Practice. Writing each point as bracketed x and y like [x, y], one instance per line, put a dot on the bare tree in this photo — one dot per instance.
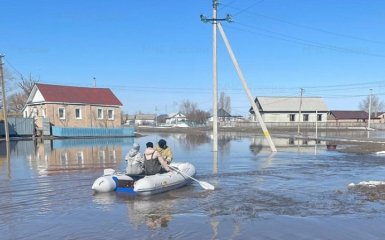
[26, 84]
[376, 105]
[192, 113]
[186, 107]
[17, 100]
[224, 102]
[9, 79]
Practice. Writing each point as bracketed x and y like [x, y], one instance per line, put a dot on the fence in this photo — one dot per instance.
[304, 125]
[18, 127]
[93, 132]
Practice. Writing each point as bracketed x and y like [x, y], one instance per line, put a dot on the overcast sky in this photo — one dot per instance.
[155, 54]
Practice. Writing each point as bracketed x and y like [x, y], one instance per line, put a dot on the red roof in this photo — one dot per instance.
[69, 94]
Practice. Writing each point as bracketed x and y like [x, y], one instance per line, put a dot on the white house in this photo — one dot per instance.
[175, 118]
[291, 109]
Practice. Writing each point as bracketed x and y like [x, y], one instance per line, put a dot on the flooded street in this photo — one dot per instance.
[300, 192]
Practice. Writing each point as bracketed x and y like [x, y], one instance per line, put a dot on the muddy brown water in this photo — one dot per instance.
[300, 192]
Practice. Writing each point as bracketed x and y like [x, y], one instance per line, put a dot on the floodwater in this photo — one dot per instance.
[300, 192]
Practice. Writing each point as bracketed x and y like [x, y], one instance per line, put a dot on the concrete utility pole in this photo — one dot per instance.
[247, 90]
[215, 21]
[4, 100]
[216, 24]
[370, 106]
[215, 79]
[300, 108]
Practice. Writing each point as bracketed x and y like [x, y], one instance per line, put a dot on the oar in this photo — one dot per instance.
[205, 185]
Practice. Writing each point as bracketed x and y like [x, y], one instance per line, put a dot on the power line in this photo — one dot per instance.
[304, 42]
[303, 25]
[11, 65]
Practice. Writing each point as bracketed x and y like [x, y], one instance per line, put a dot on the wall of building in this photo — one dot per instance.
[88, 115]
[285, 117]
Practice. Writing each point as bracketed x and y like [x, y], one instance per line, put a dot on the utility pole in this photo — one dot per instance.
[215, 21]
[370, 106]
[215, 79]
[300, 108]
[4, 100]
[216, 24]
[156, 116]
[246, 88]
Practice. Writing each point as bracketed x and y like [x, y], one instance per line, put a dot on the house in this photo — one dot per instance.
[130, 120]
[145, 119]
[380, 117]
[175, 118]
[287, 109]
[348, 116]
[225, 118]
[70, 106]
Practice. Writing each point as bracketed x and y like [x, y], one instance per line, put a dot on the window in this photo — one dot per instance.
[80, 158]
[306, 117]
[112, 155]
[99, 113]
[319, 117]
[101, 156]
[78, 113]
[292, 117]
[110, 114]
[62, 113]
[64, 158]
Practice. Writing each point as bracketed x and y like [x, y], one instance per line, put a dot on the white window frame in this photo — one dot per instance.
[292, 117]
[97, 113]
[64, 113]
[112, 114]
[80, 113]
[319, 117]
[102, 156]
[80, 158]
[64, 159]
[305, 117]
[112, 155]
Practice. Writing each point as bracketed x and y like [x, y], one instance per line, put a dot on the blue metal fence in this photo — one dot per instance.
[18, 127]
[92, 132]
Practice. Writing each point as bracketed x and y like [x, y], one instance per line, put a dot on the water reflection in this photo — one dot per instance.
[77, 154]
[191, 141]
[154, 212]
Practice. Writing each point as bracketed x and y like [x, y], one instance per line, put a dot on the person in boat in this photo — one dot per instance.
[153, 161]
[164, 150]
[134, 160]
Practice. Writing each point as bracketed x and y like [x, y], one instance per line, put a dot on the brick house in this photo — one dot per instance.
[69, 106]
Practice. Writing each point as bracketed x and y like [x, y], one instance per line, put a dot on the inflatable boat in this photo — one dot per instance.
[111, 180]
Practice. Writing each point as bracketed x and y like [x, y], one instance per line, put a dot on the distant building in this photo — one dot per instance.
[145, 119]
[286, 109]
[381, 117]
[175, 118]
[348, 116]
[225, 118]
[69, 106]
